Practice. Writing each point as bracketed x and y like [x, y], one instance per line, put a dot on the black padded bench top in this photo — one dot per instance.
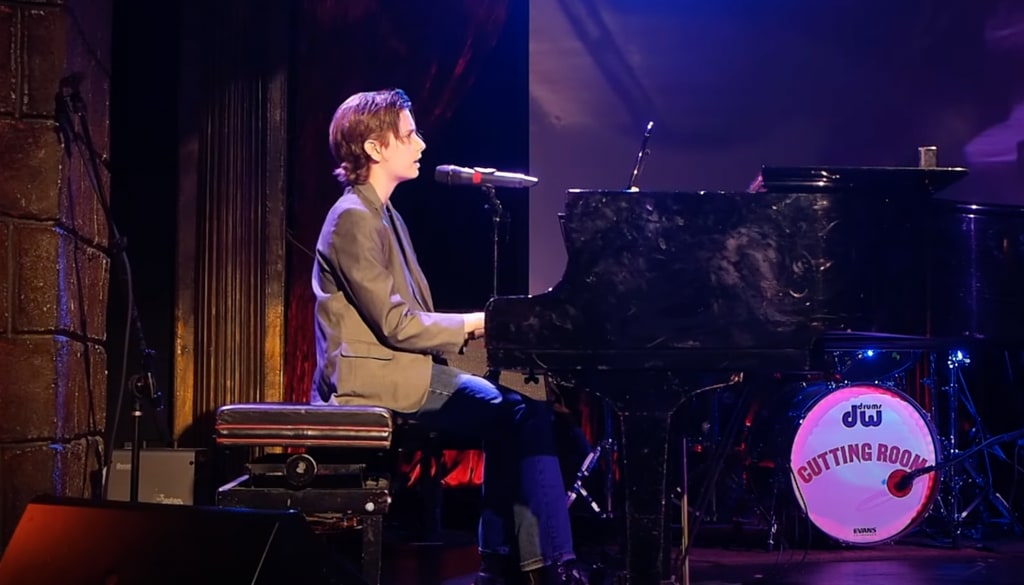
[303, 425]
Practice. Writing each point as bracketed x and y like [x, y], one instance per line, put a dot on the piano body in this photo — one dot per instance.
[664, 293]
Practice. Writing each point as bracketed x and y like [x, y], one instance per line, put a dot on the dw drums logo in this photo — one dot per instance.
[868, 415]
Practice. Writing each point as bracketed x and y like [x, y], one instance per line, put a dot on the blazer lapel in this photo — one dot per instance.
[419, 280]
[409, 267]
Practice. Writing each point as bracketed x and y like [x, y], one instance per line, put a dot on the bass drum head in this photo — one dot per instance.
[849, 448]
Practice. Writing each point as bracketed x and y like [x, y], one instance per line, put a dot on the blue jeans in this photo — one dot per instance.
[523, 505]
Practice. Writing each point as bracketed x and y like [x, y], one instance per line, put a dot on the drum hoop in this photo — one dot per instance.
[836, 386]
[934, 488]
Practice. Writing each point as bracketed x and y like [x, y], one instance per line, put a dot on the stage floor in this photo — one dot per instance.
[999, 563]
[990, 551]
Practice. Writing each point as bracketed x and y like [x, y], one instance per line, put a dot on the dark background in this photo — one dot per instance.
[736, 84]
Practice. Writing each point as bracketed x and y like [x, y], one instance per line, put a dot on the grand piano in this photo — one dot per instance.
[666, 293]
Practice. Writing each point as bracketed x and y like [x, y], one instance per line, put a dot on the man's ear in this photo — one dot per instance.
[372, 148]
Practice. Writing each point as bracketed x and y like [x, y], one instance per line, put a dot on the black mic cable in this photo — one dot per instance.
[904, 482]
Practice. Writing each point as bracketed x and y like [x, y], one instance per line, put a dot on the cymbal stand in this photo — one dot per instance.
[954, 480]
[951, 481]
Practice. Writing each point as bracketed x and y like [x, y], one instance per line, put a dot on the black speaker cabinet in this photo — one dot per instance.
[69, 541]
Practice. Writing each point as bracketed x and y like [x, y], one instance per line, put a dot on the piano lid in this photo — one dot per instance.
[675, 280]
[834, 179]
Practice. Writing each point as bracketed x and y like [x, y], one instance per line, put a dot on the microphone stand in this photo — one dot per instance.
[143, 385]
[70, 105]
[638, 167]
[496, 213]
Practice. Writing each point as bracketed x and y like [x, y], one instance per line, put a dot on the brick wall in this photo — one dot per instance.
[54, 267]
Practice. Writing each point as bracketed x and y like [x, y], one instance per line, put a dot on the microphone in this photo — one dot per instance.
[640, 158]
[900, 481]
[454, 175]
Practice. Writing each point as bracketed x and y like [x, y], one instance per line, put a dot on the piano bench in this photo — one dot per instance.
[325, 472]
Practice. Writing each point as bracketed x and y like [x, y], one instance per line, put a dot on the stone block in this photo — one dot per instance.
[82, 389]
[80, 210]
[30, 385]
[45, 59]
[27, 473]
[60, 283]
[5, 280]
[77, 465]
[34, 469]
[54, 389]
[56, 46]
[36, 279]
[33, 185]
[89, 53]
[31, 157]
[8, 60]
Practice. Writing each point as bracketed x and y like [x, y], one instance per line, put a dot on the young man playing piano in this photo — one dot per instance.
[379, 342]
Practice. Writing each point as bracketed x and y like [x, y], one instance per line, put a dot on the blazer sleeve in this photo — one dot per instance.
[357, 246]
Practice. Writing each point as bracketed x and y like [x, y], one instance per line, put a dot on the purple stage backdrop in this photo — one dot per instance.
[735, 84]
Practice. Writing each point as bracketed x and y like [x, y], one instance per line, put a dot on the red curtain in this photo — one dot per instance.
[433, 50]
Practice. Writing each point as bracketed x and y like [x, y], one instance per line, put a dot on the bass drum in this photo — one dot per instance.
[844, 450]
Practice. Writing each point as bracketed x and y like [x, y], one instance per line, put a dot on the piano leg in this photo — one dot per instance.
[644, 452]
[644, 401]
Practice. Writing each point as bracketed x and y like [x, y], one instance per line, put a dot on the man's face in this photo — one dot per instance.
[400, 158]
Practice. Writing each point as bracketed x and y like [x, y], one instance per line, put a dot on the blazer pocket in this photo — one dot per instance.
[362, 349]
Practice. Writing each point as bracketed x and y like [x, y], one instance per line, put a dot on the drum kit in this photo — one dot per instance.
[840, 448]
[888, 441]
[856, 457]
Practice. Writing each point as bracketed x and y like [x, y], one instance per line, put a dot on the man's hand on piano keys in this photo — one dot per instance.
[474, 325]
[474, 328]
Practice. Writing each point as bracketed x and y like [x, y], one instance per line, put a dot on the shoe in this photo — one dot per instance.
[567, 573]
[497, 570]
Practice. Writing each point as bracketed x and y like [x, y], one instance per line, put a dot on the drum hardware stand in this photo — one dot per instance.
[957, 391]
[773, 515]
[706, 493]
[606, 448]
[780, 476]
[577, 490]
